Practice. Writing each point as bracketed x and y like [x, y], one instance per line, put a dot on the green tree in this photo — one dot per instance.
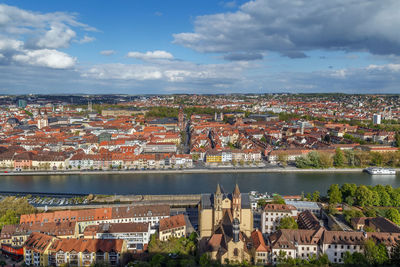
[363, 196]
[10, 217]
[339, 158]
[315, 196]
[288, 222]
[348, 190]
[334, 194]
[157, 260]
[384, 198]
[281, 258]
[355, 259]
[370, 212]
[11, 209]
[323, 260]
[204, 260]
[283, 159]
[325, 160]
[397, 139]
[352, 213]
[375, 254]
[277, 199]
[350, 158]
[393, 215]
[376, 158]
[395, 198]
[261, 203]
[395, 256]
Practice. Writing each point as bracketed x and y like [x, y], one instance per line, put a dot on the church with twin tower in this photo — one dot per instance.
[225, 225]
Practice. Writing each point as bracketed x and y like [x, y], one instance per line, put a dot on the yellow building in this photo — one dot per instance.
[225, 224]
[174, 226]
[36, 249]
[214, 157]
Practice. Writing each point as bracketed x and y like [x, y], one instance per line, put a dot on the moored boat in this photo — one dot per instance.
[380, 171]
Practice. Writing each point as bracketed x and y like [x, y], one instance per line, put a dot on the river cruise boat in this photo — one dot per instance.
[380, 171]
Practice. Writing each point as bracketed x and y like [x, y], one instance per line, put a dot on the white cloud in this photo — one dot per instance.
[10, 44]
[123, 72]
[86, 39]
[45, 58]
[151, 55]
[31, 38]
[14, 20]
[107, 52]
[59, 36]
[293, 27]
[171, 72]
[389, 67]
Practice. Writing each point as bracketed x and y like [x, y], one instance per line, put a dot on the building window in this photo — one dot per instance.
[236, 252]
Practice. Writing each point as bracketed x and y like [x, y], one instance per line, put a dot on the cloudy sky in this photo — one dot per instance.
[207, 46]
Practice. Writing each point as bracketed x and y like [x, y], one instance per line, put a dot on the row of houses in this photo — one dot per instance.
[83, 237]
[123, 160]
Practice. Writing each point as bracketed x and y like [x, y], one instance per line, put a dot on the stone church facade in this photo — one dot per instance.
[225, 225]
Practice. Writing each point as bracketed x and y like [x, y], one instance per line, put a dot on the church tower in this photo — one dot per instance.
[236, 203]
[217, 205]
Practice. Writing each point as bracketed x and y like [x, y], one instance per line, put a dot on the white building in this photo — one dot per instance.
[272, 215]
[137, 235]
[376, 119]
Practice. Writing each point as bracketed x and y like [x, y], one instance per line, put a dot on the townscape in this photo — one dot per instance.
[175, 132]
[347, 226]
[199, 133]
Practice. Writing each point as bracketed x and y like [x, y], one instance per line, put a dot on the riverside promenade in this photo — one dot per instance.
[194, 170]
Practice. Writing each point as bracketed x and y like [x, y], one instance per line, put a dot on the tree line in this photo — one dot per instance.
[348, 159]
[11, 208]
[364, 196]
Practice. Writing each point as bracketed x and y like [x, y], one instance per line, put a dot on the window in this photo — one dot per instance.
[236, 252]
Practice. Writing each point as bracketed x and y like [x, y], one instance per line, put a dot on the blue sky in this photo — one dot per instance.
[157, 47]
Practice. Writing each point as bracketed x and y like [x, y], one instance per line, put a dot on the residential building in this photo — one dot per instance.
[272, 215]
[261, 250]
[174, 226]
[137, 235]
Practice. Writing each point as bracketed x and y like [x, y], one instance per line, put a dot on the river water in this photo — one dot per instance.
[193, 183]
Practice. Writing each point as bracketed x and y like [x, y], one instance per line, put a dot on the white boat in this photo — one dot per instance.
[380, 171]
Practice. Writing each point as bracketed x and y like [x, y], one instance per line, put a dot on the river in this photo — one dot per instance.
[192, 183]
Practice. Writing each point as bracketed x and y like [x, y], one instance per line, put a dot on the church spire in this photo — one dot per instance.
[218, 189]
[236, 192]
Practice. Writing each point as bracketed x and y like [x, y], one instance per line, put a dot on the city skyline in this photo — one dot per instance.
[204, 47]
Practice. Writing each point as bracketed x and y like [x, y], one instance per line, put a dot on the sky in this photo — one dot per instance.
[169, 47]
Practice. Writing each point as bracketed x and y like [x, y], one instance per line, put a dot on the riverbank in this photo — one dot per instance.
[183, 171]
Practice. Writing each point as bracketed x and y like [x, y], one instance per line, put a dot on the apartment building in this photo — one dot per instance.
[131, 214]
[137, 235]
[272, 215]
[174, 226]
